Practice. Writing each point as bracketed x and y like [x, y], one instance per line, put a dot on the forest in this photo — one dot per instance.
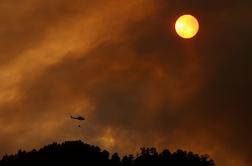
[79, 153]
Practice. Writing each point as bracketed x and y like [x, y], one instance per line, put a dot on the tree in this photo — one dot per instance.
[115, 160]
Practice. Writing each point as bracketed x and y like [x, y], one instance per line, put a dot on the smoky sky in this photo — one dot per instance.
[122, 66]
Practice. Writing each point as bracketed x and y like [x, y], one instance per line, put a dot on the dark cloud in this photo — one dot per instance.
[26, 23]
[134, 79]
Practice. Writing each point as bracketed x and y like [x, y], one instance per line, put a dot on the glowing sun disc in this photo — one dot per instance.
[187, 26]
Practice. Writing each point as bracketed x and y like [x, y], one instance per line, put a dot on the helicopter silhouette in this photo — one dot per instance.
[78, 117]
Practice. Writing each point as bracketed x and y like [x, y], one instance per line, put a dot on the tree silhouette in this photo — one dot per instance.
[79, 153]
[115, 160]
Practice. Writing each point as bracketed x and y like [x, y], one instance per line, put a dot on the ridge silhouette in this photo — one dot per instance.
[79, 153]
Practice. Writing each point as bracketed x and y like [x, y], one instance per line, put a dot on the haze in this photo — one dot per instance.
[122, 66]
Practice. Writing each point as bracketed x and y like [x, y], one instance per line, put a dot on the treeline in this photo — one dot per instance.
[78, 153]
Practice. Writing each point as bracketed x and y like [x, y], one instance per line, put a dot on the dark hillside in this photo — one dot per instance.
[79, 153]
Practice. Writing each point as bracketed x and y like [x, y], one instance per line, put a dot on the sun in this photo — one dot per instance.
[187, 26]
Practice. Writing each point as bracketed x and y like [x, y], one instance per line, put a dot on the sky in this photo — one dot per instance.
[122, 66]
